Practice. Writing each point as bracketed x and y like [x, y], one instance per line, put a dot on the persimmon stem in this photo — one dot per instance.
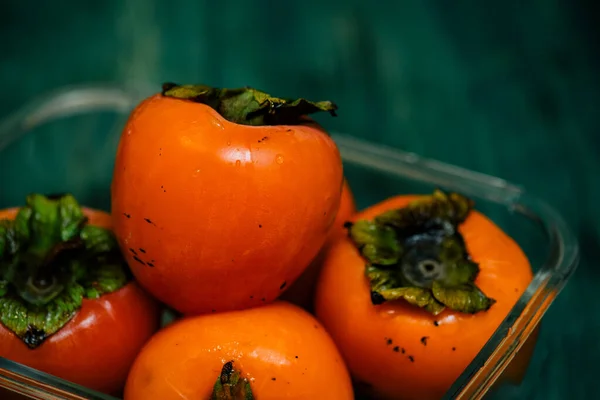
[230, 385]
[49, 266]
[50, 259]
[248, 106]
[416, 253]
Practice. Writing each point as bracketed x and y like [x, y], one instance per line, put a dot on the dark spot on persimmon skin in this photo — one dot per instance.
[133, 252]
[296, 356]
[214, 311]
[454, 349]
[263, 299]
[151, 265]
[402, 350]
[142, 250]
[424, 340]
[148, 220]
[396, 349]
[251, 297]
[411, 358]
[389, 341]
[127, 215]
[316, 326]
[138, 260]
[260, 226]
[273, 379]
[289, 130]
[282, 285]
[435, 323]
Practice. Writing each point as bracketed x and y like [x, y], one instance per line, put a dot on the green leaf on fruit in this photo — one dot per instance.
[50, 260]
[416, 254]
[230, 385]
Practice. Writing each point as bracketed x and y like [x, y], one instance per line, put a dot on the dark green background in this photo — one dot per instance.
[511, 87]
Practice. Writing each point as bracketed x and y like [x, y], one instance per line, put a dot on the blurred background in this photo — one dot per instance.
[510, 87]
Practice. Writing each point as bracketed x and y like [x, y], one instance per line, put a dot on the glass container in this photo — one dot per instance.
[65, 141]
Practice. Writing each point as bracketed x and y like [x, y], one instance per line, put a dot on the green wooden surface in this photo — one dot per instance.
[511, 87]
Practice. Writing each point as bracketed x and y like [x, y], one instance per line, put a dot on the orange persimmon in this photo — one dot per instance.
[78, 317]
[302, 291]
[226, 195]
[405, 294]
[277, 351]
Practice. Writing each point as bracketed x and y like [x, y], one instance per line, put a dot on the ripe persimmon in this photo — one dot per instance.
[415, 290]
[67, 304]
[302, 291]
[277, 351]
[230, 192]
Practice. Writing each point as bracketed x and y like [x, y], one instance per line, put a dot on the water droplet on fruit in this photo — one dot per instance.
[229, 143]
[279, 159]
[238, 163]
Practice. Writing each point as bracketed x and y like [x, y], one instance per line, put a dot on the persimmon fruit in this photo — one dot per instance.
[277, 351]
[415, 290]
[230, 192]
[67, 304]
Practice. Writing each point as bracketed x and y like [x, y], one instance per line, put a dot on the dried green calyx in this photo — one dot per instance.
[50, 260]
[231, 385]
[416, 253]
[248, 106]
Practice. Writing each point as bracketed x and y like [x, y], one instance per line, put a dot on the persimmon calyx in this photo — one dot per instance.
[230, 385]
[50, 260]
[417, 254]
[248, 106]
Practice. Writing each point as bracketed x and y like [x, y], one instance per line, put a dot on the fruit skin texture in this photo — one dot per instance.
[97, 346]
[302, 290]
[283, 351]
[229, 215]
[377, 341]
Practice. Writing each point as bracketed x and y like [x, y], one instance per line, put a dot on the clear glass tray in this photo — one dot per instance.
[65, 142]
